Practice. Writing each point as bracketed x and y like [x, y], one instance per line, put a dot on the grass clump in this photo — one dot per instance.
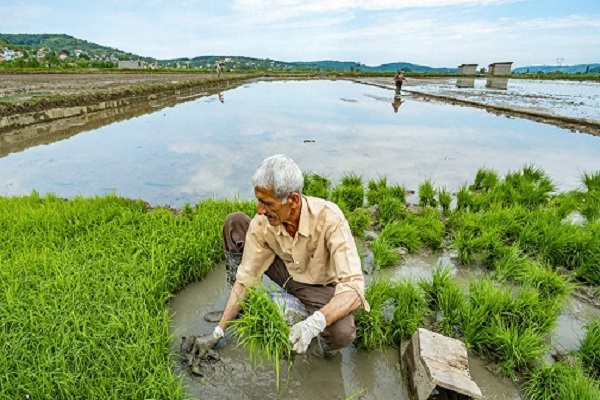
[402, 233]
[316, 185]
[373, 327]
[83, 288]
[359, 220]
[384, 255]
[445, 199]
[560, 381]
[378, 190]
[427, 194]
[391, 209]
[261, 329]
[589, 350]
[350, 193]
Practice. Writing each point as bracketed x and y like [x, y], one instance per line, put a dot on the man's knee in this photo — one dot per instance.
[341, 333]
[234, 231]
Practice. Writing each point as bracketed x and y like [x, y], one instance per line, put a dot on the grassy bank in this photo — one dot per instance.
[83, 287]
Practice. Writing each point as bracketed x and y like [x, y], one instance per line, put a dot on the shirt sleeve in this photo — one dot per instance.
[345, 259]
[257, 255]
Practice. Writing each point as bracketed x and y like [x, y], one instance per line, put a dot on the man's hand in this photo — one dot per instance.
[218, 333]
[303, 332]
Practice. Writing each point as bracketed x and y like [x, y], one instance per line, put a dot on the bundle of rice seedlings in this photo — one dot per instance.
[464, 200]
[359, 220]
[431, 229]
[410, 311]
[591, 180]
[427, 194]
[350, 193]
[402, 233]
[373, 327]
[384, 254]
[261, 329]
[514, 348]
[445, 199]
[560, 381]
[485, 180]
[441, 279]
[316, 185]
[391, 209]
[379, 190]
[589, 350]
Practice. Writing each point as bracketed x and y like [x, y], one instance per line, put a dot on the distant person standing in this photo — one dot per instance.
[219, 69]
[398, 79]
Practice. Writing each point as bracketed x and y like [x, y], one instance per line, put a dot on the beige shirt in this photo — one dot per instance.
[323, 251]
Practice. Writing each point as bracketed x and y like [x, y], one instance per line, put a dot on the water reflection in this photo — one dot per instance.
[496, 83]
[397, 102]
[465, 82]
[198, 149]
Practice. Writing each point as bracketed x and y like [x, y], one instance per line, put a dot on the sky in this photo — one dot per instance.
[436, 33]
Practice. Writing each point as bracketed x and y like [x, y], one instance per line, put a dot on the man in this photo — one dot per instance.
[303, 244]
[398, 79]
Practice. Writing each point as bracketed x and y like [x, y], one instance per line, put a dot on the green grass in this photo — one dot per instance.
[384, 255]
[261, 329]
[560, 381]
[427, 194]
[349, 194]
[316, 185]
[402, 233]
[589, 350]
[83, 288]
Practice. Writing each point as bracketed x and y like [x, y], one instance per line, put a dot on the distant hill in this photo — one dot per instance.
[567, 69]
[62, 42]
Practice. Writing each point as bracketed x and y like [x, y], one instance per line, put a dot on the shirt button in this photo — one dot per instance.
[297, 262]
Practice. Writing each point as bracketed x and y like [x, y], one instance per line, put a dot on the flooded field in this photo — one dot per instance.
[208, 146]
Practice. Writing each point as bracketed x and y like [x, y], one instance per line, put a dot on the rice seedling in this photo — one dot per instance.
[409, 313]
[516, 349]
[441, 279]
[589, 349]
[563, 204]
[384, 255]
[485, 180]
[373, 327]
[84, 284]
[402, 233]
[316, 185]
[391, 209]
[464, 200]
[445, 199]
[379, 190]
[430, 227]
[591, 181]
[350, 193]
[590, 205]
[427, 194]
[451, 302]
[261, 329]
[560, 381]
[359, 220]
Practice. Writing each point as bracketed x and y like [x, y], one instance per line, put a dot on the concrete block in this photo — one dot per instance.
[436, 366]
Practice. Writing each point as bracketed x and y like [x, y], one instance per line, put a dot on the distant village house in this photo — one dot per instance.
[132, 64]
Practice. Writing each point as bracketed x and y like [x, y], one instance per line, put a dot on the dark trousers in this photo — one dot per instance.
[337, 335]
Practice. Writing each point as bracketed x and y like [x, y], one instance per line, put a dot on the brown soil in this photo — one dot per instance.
[29, 92]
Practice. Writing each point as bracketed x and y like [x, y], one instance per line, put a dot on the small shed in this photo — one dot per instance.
[500, 68]
[467, 69]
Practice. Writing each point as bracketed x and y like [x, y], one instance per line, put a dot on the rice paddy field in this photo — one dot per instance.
[84, 281]
[91, 256]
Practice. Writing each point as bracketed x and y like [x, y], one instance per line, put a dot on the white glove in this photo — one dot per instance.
[218, 332]
[303, 332]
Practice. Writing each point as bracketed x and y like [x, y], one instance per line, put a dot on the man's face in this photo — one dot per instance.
[271, 207]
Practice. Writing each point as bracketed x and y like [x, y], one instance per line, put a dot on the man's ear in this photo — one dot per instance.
[294, 199]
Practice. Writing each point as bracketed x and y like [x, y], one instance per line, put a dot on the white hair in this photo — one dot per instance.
[280, 173]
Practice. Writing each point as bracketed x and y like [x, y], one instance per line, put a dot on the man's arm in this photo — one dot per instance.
[340, 305]
[232, 308]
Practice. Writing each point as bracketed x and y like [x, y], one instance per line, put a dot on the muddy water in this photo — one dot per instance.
[375, 375]
[208, 146]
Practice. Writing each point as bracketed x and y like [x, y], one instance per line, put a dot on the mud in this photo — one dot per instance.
[531, 111]
[31, 98]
